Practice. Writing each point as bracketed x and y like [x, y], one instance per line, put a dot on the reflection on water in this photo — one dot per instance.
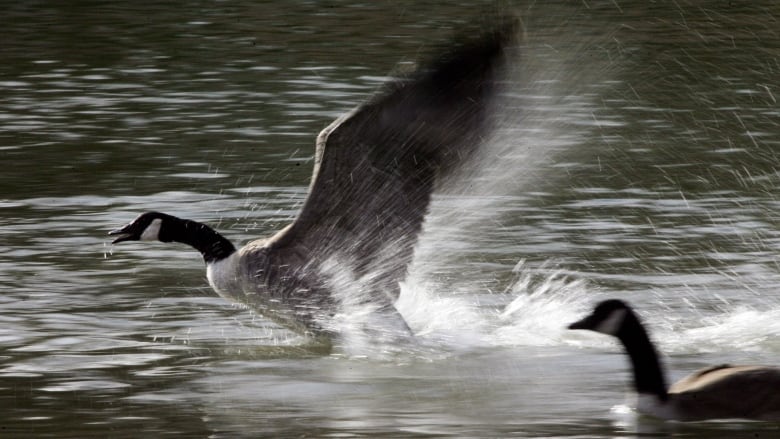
[637, 159]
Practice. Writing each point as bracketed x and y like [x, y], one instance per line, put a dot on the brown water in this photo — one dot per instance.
[638, 159]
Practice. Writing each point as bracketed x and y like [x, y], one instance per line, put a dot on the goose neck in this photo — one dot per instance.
[648, 373]
[213, 246]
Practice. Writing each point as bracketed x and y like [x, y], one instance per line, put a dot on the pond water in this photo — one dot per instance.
[637, 158]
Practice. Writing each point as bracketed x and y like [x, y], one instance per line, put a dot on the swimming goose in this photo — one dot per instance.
[374, 171]
[719, 392]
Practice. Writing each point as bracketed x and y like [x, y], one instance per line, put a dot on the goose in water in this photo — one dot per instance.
[719, 392]
[375, 169]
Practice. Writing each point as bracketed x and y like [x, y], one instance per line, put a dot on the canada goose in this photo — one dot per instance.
[374, 171]
[719, 392]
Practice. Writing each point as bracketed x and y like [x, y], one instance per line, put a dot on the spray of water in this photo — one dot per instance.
[738, 328]
[542, 113]
[366, 325]
[536, 119]
[532, 312]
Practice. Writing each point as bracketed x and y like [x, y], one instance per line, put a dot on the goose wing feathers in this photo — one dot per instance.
[376, 167]
[749, 392]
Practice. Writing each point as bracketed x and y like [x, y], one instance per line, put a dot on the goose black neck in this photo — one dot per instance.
[648, 375]
[207, 241]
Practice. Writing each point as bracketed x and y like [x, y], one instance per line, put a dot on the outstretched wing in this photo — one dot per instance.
[375, 167]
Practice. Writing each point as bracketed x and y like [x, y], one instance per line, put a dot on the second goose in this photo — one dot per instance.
[719, 392]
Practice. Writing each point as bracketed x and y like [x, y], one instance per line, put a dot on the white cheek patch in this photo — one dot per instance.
[611, 325]
[152, 231]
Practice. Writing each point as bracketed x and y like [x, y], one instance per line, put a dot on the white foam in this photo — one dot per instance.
[739, 329]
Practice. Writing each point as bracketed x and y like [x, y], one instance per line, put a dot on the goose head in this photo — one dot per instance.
[149, 226]
[607, 317]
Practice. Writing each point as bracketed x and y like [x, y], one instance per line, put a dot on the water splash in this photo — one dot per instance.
[741, 328]
[366, 327]
[534, 311]
[542, 308]
[541, 113]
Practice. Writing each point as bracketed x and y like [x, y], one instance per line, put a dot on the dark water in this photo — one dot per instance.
[638, 159]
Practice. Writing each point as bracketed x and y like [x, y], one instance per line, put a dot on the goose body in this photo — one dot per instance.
[375, 169]
[719, 392]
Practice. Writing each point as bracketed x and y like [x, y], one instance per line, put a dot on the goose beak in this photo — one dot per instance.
[582, 324]
[122, 234]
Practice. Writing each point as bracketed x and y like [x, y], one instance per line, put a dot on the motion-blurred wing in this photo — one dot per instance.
[375, 167]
